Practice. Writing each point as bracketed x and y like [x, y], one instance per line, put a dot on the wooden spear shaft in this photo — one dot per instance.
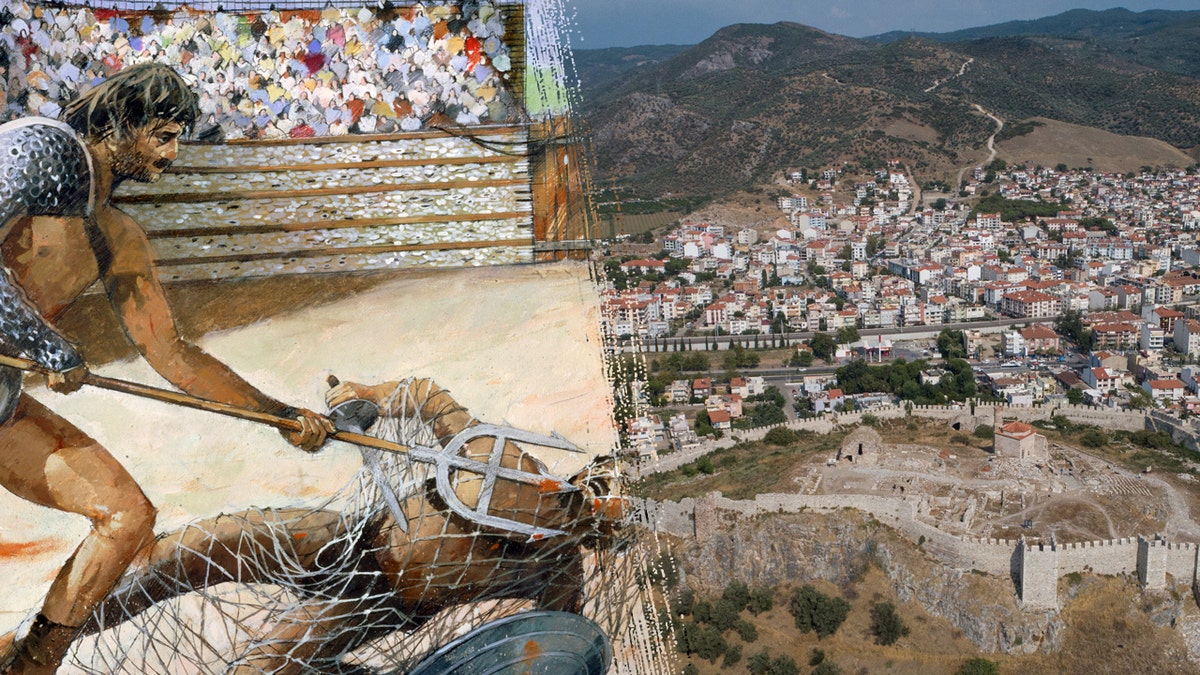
[197, 403]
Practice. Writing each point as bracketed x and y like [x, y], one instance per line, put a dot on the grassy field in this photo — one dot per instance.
[614, 224]
[1076, 146]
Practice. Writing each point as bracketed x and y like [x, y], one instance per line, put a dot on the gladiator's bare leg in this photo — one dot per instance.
[241, 547]
[46, 460]
[290, 648]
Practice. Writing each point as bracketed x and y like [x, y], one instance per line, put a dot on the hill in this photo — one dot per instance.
[753, 100]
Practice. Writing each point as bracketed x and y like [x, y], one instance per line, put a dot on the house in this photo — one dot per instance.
[1013, 343]
[747, 386]
[1018, 440]
[1104, 379]
[1040, 339]
[1109, 360]
[827, 401]
[1030, 304]
[680, 391]
[1164, 392]
[701, 388]
[1187, 337]
[683, 437]
[720, 420]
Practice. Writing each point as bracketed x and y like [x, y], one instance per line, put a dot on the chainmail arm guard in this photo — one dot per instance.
[44, 171]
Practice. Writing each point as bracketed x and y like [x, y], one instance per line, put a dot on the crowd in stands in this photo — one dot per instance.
[274, 74]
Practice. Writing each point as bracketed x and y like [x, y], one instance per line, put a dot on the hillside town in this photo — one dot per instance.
[1087, 283]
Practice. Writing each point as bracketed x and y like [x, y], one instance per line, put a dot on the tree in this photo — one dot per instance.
[762, 599]
[984, 431]
[822, 346]
[827, 668]
[940, 204]
[886, 624]
[815, 611]
[1093, 438]
[1074, 396]
[732, 656]
[784, 665]
[979, 666]
[691, 669]
[802, 359]
[847, 335]
[759, 663]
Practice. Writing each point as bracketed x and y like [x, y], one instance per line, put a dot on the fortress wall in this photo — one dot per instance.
[1182, 560]
[984, 414]
[1037, 576]
[1116, 556]
[1035, 566]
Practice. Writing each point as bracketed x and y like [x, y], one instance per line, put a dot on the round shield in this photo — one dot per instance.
[533, 643]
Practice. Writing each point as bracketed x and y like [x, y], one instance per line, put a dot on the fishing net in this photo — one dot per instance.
[341, 588]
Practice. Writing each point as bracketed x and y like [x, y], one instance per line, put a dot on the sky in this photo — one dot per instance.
[628, 23]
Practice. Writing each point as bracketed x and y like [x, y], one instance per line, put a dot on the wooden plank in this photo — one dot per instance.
[380, 164]
[351, 250]
[437, 132]
[222, 230]
[235, 195]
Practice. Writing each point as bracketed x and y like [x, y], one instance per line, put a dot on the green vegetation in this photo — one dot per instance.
[816, 612]
[979, 666]
[984, 431]
[781, 436]
[744, 470]
[704, 635]
[951, 344]
[823, 346]
[903, 378]
[1014, 210]
[1015, 129]
[886, 624]
[1070, 324]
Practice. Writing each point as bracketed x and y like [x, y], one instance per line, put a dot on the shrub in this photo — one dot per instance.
[705, 465]
[784, 665]
[691, 669]
[870, 420]
[960, 439]
[760, 663]
[985, 432]
[827, 668]
[886, 624]
[781, 436]
[1093, 438]
[746, 630]
[815, 611]
[817, 657]
[979, 666]
[761, 599]
[732, 656]
[736, 594]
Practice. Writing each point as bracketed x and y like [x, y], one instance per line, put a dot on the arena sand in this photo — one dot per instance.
[514, 344]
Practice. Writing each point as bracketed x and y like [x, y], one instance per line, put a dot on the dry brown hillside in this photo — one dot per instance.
[1076, 146]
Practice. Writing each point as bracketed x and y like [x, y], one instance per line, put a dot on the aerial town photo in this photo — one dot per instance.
[928, 404]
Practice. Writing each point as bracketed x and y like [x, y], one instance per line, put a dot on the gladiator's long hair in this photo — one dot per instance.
[130, 100]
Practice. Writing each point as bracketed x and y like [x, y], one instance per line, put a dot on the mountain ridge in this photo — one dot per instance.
[738, 108]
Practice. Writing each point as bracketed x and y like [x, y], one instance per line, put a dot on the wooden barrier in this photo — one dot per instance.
[348, 203]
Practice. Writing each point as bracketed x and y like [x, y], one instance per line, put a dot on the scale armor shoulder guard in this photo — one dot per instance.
[44, 171]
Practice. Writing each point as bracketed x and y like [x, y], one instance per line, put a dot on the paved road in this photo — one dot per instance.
[722, 342]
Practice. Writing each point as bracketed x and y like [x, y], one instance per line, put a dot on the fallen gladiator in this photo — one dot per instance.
[402, 564]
